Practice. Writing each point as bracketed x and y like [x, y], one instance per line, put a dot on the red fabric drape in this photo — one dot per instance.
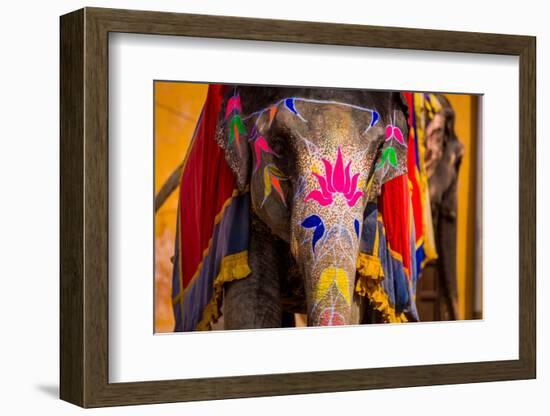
[206, 183]
[394, 206]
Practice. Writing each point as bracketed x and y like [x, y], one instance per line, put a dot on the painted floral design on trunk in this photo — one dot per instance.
[337, 179]
[331, 289]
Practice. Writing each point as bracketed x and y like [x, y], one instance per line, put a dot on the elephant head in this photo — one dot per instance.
[444, 151]
[312, 159]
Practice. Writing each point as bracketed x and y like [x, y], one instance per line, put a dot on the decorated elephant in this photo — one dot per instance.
[443, 156]
[295, 200]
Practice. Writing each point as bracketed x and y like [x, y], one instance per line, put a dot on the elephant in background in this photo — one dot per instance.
[312, 160]
[443, 156]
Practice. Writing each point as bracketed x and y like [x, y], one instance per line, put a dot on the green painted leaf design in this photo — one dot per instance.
[388, 155]
[392, 156]
[236, 121]
[383, 159]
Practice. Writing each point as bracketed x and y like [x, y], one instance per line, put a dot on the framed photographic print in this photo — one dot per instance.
[254, 207]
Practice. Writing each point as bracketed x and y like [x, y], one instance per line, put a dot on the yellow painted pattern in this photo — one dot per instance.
[333, 275]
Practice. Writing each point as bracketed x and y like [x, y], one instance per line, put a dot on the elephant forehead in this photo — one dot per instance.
[322, 129]
[327, 122]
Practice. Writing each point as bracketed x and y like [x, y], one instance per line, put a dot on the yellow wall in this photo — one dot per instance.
[465, 107]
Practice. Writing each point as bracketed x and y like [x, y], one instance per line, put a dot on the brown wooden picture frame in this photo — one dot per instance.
[84, 214]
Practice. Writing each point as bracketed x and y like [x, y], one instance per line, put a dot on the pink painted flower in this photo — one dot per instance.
[260, 145]
[233, 104]
[395, 132]
[336, 180]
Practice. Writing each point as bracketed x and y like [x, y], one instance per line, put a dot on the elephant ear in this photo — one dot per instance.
[232, 135]
[391, 159]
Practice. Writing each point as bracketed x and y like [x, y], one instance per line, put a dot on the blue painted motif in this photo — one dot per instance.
[289, 103]
[375, 118]
[314, 221]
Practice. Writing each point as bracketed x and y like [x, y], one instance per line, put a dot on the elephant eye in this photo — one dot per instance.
[279, 139]
[283, 156]
[280, 146]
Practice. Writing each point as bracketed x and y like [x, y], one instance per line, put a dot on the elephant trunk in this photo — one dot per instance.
[326, 247]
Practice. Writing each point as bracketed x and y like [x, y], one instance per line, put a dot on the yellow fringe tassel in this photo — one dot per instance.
[233, 267]
[368, 284]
